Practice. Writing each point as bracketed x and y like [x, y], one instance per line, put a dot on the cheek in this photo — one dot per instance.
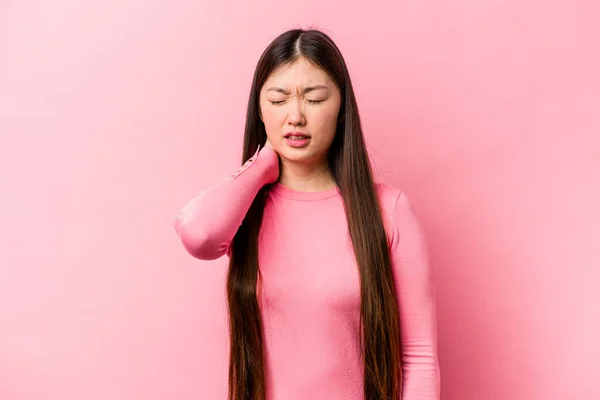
[325, 118]
[272, 116]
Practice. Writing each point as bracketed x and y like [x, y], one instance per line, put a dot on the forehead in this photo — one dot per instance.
[300, 72]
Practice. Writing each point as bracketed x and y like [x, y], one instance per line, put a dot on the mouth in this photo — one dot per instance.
[297, 140]
[296, 136]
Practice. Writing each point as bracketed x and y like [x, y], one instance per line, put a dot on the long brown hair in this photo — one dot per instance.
[351, 170]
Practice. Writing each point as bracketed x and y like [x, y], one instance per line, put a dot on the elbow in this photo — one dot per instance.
[198, 241]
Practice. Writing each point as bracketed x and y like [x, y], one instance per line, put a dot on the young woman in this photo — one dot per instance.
[329, 288]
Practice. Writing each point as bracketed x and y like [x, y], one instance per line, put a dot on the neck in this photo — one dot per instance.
[306, 178]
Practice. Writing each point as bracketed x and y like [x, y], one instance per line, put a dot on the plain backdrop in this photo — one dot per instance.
[113, 114]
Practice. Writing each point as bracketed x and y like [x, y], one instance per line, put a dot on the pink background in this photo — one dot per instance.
[113, 114]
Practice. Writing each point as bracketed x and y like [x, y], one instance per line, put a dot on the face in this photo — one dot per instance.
[300, 97]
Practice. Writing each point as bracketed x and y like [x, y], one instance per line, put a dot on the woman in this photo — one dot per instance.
[329, 289]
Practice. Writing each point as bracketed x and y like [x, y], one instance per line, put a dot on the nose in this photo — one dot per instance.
[295, 113]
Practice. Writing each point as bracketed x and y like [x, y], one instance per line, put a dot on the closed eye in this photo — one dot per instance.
[276, 103]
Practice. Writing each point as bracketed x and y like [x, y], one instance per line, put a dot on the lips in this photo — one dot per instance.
[296, 135]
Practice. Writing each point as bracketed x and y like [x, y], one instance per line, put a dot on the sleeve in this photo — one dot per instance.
[207, 224]
[416, 297]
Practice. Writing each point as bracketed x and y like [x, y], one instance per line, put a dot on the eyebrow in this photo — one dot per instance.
[306, 89]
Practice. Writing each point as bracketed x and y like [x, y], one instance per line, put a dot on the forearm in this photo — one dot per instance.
[207, 224]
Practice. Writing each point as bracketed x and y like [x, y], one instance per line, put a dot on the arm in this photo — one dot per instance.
[207, 224]
[416, 297]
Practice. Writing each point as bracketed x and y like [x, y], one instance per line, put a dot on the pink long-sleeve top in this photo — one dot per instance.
[310, 296]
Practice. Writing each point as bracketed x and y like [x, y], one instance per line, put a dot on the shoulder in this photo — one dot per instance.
[389, 197]
[386, 193]
[398, 215]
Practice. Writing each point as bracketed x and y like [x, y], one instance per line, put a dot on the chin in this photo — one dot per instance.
[299, 155]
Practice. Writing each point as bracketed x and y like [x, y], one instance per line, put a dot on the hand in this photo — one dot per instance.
[268, 144]
[278, 169]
